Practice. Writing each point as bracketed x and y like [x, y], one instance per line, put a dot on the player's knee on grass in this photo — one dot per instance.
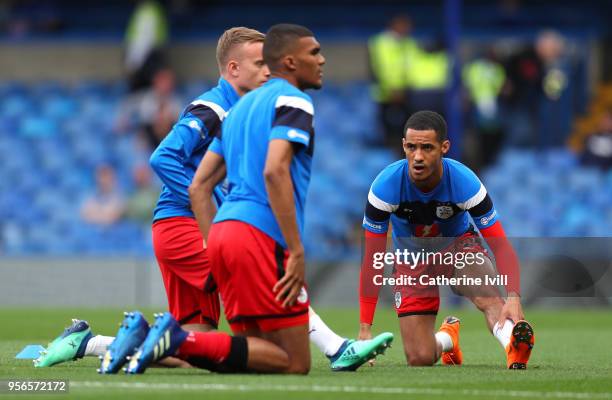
[420, 357]
[420, 346]
[300, 367]
[264, 356]
[295, 343]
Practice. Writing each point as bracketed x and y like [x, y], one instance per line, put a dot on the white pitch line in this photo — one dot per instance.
[339, 389]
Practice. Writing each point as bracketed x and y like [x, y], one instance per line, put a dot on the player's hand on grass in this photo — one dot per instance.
[288, 288]
[511, 310]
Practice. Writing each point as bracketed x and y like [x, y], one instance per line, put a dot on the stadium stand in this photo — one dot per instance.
[52, 137]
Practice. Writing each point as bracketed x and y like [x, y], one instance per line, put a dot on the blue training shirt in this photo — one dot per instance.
[177, 157]
[277, 110]
[443, 212]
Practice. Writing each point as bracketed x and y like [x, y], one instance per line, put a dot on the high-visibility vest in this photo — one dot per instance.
[484, 80]
[391, 58]
[429, 71]
[153, 10]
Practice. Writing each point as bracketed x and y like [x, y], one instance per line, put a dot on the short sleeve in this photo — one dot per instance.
[475, 199]
[293, 120]
[383, 200]
[207, 115]
[216, 146]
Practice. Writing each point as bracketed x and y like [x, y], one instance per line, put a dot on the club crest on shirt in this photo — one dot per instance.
[444, 212]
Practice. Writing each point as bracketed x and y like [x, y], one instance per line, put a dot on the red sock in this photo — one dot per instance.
[214, 346]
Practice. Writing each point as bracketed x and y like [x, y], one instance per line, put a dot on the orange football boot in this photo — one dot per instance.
[451, 326]
[521, 343]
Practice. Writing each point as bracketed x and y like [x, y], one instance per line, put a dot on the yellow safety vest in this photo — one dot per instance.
[391, 59]
[484, 80]
[429, 71]
[154, 9]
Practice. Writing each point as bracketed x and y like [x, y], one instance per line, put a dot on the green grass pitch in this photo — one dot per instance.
[571, 360]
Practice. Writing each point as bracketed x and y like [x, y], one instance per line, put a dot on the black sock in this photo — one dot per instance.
[236, 360]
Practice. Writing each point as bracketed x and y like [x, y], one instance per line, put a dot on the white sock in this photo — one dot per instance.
[97, 345]
[503, 333]
[324, 338]
[444, 340]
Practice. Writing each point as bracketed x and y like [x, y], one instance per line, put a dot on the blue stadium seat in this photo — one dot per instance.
[59, 107]
[38, 126]
[16, 105]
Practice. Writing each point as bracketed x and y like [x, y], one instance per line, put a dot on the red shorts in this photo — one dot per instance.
[417, 299]
[185, 268]
[246, 264]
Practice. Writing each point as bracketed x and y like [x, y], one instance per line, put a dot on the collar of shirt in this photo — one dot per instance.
[275, 80]
[228, 92]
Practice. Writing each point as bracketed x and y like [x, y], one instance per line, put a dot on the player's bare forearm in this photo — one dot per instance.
[279, 186]
[209, 174]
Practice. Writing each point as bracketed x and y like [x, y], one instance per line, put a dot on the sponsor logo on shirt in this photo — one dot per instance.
[371, 225]
[486, 220]
[194, 125]
[293, 134]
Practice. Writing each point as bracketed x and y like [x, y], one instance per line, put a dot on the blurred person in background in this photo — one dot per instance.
[520, 95]
[483, 79]
[150, 113]
[159, 108]
[598, 145]
[558, 102]
[107, 205]
[391, 54]
[537, 78]
[142, 201]
[428, 77]
[145, 38]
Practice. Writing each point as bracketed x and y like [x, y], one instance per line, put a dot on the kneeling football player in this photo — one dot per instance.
[429, 200]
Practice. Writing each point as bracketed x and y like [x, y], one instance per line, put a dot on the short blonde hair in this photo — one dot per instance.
[232, 38]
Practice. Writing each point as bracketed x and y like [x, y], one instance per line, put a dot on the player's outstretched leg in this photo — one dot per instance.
[449, 330]
[77, 341]
[344, 354]
[132, 332]
[70, 345]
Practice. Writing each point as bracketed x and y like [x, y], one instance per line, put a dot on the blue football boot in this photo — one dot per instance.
[132, 332]
[163, 340]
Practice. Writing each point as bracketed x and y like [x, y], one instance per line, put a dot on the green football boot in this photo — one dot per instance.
[70, 345]
[354, 353]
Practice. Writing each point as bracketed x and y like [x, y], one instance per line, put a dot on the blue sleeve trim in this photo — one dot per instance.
[290, 134]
